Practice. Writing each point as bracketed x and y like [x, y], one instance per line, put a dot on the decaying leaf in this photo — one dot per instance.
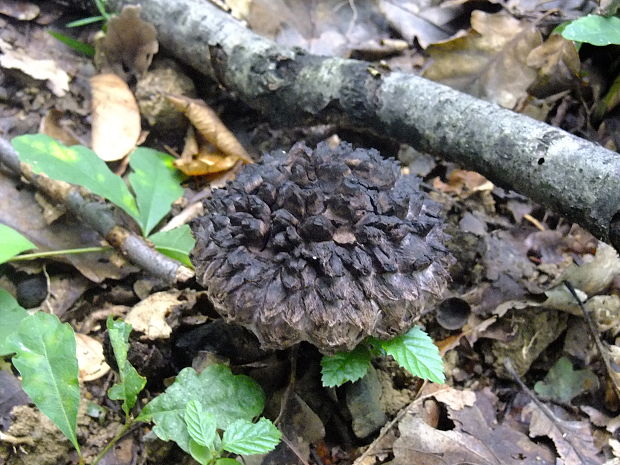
[477, 437]
[129, 44]
[414, 20]
[572, 439]
[563, 383]
[91, 361]
[463, 183]
[490, 61]
[116, 117]
[19, 9]
[558, 65]
[44, 70]
[221, 151]
[52, 126]
[149, 315]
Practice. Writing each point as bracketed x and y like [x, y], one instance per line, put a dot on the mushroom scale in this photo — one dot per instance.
[327, 246]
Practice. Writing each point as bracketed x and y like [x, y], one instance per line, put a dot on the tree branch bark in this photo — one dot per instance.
[572, 176]
[101, 218]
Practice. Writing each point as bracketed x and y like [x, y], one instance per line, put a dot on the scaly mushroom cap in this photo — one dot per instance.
[326, 246]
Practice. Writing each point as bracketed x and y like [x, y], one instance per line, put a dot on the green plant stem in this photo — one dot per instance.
[53, 253]
[113, 441]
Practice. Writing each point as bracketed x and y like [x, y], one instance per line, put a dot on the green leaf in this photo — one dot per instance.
[201, 454]
[227, 461]
[594, 29]
[131, 383]
[416, 352]
[75, 165]
[226, 396]
[200, 423]
[46, 359]
[75, 44]
[11, 315]
[345, 366]
[12, 243]
[85, 21]
[562, 383]
[245, 437]
[156, 183]
[176, 243]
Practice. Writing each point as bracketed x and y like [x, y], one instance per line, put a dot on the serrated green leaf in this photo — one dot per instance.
[45, 357]
[226, 396]
[156, 183]
[245, 437]
[563, 383]
[75, 165]
[176, 243]
[415, 352]
[12, 243]
[200, 424]
[345, 366]
[131, 383]
[11, 315]
[594, 29]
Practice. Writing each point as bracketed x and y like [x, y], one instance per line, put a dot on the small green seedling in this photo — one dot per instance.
[414, 351]
[192, 411]
[154, 180]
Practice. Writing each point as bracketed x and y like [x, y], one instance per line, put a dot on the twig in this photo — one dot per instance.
[566, 434]
[101, 218]
[597, 340]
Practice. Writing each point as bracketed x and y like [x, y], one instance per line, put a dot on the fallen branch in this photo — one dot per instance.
[572, 176]
[101, 218]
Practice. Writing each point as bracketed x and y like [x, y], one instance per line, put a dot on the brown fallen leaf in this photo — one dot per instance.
[463, 183]
[116, 117]
[91, 360]
[52, 126]
[19, 9]
[558, 65]
[489, 61]
[41, 69]
[209, 126]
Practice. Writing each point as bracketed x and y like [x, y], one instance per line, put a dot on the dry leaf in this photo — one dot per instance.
[43, 70]
[558, 64]
[463, 183]
[209, 126]
[18, 9]
[149, 315]
[129, 44]
[116, 118]
[52, 126]
[489, 61]
[91, 360]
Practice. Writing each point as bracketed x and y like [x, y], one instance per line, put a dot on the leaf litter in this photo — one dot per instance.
[513, 255]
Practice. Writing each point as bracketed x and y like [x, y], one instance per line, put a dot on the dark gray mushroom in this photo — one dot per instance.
[326, 246]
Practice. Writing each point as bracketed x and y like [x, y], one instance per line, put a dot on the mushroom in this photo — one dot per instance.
[327, 246]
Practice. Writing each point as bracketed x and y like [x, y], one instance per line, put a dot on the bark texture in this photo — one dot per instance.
[574, 177]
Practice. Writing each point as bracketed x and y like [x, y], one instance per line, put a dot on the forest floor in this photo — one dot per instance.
[526, 382]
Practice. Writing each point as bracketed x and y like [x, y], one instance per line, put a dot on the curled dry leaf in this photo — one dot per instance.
[91, 360]
[558, 64]
[116, 117]
[129, 44]
[197, 159]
